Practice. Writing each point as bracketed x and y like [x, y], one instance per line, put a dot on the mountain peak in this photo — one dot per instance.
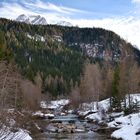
[39, 20]
[64, 23]
[32, 19]
[22, 18]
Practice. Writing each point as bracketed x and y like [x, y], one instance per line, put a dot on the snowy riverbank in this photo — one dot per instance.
[126, 127]
[6, 134]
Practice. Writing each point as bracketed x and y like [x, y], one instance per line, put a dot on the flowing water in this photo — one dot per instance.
[73, 136]
[86, 135]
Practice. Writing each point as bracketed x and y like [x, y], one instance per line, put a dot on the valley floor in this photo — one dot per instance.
[121, 126]
[126, 127]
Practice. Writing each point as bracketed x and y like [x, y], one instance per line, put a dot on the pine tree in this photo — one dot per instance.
[115, 99]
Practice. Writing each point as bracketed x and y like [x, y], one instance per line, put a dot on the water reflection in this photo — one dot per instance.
[74, 136]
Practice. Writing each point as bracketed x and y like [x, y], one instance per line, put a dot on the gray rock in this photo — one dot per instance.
[51, 128]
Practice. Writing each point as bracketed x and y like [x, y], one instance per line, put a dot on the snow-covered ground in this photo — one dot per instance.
[128, 127]
[19, 135]
[94, 111]
[57, 104]
[135, 98]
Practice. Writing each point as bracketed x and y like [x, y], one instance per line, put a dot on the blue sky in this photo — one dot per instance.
[89, 9]
[120, 16]
[100, 7]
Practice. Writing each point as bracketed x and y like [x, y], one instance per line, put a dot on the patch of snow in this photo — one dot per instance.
[40, 114]
[84, 113]
[19, 135]
[58, 38]
[94, 117]
[30, 37]
[42, 39]
[89, 107]
[54, 104]
[64, 23]
[43, 104]
[70, 111]
[79, 130]
[36, 37]
[128, 127]
[49, 115]
[92, 108]
[62, 114]
[104, 104]
[134, 98]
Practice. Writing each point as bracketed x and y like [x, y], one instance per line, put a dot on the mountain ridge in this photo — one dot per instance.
[39, 20]
[32, 19]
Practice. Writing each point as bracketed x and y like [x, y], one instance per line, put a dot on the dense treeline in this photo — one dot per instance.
[56, 65]
[51, 56]
[118, 83]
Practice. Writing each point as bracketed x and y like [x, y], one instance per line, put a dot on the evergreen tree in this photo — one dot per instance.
[115, 100]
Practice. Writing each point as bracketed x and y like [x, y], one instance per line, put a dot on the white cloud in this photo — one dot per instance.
[50, 11]
[38, 4]
[13, 10]
[135, 1]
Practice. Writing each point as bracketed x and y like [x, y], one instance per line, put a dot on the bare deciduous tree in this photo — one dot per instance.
[31, 94]
[91, 85]
[9, 85]
[129, 78]
[10, 97]
[38, 80]
[75, 98]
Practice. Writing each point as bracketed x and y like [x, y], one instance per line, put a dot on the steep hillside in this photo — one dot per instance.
[54, 56]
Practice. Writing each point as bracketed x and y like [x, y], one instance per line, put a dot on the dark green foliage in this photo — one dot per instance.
[115, 100]
[2, 45]
[48, 58]
[115, 85]
[5, 53]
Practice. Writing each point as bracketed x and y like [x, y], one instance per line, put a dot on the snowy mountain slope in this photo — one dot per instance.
[33, 19]
[64, 23]
[39, 20]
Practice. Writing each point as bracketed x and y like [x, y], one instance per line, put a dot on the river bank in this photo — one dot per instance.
[58, 121]
[55, 122]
